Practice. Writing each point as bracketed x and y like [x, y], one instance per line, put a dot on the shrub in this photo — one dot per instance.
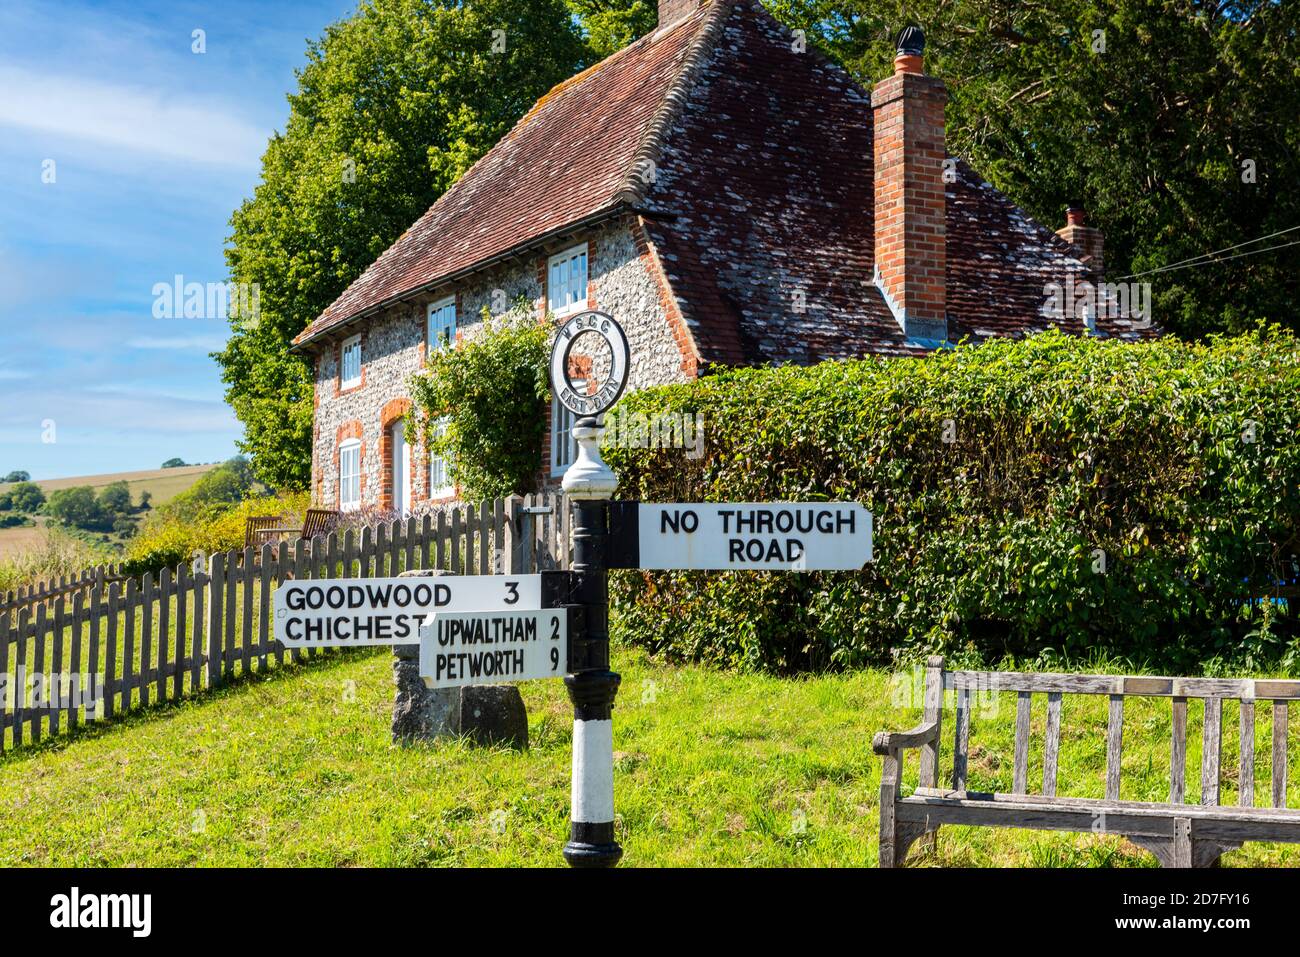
[115, 498]
[1049, 497]
[77, 507]
[491, 393]
[25, 497]
[170, 536]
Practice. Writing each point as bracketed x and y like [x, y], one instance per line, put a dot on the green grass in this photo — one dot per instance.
[296, 768]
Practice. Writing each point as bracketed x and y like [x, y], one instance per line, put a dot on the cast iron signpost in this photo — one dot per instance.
[488, 629]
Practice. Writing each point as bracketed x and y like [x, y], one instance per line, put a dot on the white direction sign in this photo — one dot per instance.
[347, 612]
[772, 536]
[490, 647]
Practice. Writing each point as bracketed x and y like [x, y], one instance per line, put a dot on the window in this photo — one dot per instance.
[564, 448]
[442, 324]
[567, 286]
[439, 472]
[350, 374]
[350, 475]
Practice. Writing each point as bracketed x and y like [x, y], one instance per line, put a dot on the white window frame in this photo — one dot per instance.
[444, 311]
[349, 483]
[564, 448]
[559, 290]
[346, 381]
[446, 489]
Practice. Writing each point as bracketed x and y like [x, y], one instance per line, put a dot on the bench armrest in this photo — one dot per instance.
[888, 741]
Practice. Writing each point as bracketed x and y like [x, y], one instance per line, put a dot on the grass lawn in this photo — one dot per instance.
[296, 768]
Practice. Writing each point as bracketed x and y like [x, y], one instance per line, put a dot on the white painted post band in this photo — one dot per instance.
[593, 772]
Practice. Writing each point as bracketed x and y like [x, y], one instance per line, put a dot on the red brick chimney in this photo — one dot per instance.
[911, 232]
[1088, 242]
[670, 11]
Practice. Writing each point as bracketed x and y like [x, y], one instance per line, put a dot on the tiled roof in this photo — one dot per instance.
[761, 209]
[572, 157]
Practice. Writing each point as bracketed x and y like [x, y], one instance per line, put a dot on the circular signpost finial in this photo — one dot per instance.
[588, 403]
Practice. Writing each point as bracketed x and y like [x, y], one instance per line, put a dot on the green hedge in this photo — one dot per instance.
[999, 474]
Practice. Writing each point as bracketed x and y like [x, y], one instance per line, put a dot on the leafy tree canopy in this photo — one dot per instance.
[174, 464]
[17, 476]
[393, 105]
[25, 497]
[115, 498]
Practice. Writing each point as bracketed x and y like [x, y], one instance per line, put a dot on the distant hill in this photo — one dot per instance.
[162, 484]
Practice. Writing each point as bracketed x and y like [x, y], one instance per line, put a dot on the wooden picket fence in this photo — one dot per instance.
[120, 645]
[61, 586]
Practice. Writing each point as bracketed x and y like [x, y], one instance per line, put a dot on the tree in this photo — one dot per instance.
[1177, 124]
[26, 497]
[393, 105]
[77, 507]
[174, 464]
[225, 485]
[17, 476]
[115, 499]
[610, 25]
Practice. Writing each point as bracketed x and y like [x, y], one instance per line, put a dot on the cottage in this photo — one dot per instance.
[732, 197]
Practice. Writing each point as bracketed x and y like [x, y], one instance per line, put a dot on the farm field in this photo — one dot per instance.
[162, 484]
[711, 768]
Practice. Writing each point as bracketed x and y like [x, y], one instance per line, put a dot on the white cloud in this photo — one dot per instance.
[128, 118]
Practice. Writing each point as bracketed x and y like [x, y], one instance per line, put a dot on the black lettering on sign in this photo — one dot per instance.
[678, 521]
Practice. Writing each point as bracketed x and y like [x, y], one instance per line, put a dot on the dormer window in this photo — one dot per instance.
[567, 284]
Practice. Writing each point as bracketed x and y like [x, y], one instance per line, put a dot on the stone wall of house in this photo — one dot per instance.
[623, 280]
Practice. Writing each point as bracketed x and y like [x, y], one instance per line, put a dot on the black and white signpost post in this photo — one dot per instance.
[590, 484]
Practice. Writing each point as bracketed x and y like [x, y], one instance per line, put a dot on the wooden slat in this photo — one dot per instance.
[485, 538]
[456, 567]
[184, 588]
[148, 595]
[471, 528]
[1114, 746]
[395, 548]
[500, 563]
[961, 740]
[381, 552]
[1246, 771]
[932, 710]
[216, 592]
[366, 549]
[129, 680]
[55, 685]
[1178, 753]
[20, 670]
[74, 666]
[247, 577]
[412, 542]
[110, 650]
[440, 561]
[164, 631]
[300, 574]
[264, 605]
[1279, 753]
[282, 570]
[39, 670]
[1020, 780]
[1212, 752]
[11, 691]
[426, 536]
[1052, 745]
[231, 635]
[1118, 684]
[198, 638]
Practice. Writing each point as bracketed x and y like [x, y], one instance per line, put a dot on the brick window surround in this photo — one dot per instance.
[393, 411]
[348, 430]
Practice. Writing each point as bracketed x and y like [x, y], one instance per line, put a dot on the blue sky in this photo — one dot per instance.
[153, 147]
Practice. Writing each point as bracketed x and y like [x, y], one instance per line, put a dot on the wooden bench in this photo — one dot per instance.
[1179, 834]
[269, 528]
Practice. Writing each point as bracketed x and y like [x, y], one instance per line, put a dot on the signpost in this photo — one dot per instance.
[488, 629]
[489, 647]
[389, 611]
